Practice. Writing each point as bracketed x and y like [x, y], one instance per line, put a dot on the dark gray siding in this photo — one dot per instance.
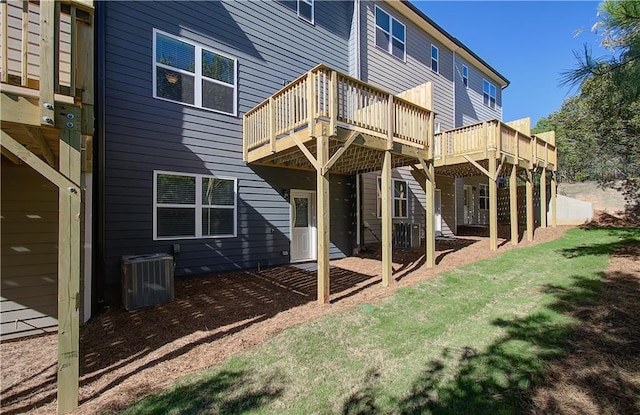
[392, 74]
[143, 134]
[470, 106]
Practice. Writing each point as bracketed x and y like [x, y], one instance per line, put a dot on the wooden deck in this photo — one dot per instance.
[361, 121]
[46, 101]
[457, 151]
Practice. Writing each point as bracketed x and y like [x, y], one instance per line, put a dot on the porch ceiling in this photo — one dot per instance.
[357, 158]
[41, 141]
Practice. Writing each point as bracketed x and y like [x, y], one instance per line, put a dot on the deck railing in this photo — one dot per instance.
[326, 95]
[47, 46]
[482, 137]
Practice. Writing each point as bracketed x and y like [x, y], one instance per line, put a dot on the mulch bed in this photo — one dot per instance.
[601, 371]
[125, 356]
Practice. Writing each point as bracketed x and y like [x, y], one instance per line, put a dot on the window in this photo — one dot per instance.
[465, 76]
[400, 198]
[484, 196]
[489, 93]
[390, 34]
[193, 206]
[434, 58]
[190, 74]
[305, 10]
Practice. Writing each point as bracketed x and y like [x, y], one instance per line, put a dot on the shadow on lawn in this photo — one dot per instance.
[213, 395]
[544, 360]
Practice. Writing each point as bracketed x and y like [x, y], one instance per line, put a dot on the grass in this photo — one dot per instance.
[472, 341]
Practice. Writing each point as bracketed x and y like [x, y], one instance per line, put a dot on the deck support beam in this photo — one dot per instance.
[322, 203]
[69, 234]
[430, 241]
[543, 198]
[387, 206]
[554, 184]
[493, 202]
[513, 203]
[529, 196]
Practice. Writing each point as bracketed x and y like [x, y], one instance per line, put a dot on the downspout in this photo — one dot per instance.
[99, 161]
[356, 12]
[455, 77]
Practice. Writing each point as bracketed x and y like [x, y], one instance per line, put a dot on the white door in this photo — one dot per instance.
[303, 230]
[438, 211]
[468, 205]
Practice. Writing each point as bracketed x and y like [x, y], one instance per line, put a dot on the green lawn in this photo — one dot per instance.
[468, 342]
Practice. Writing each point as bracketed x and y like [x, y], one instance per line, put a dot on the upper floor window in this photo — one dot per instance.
[434, 58]
[390, 34]
[489, 93]
[306, 10]
[465, 76]
[400, 197]
[190, 74]
[193, 206]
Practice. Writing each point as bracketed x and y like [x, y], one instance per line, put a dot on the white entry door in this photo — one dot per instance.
[303, 226]
[438, 209]
[468, 205]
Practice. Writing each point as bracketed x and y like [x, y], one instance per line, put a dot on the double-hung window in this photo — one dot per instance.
[306, 10]
[489, 93]
[193, 206]
[390, 34]
[400, 196]
[434, 58]
[483, 200]
[465, 76]
[190, 74]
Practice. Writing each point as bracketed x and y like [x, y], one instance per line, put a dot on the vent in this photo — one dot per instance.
[147, 280]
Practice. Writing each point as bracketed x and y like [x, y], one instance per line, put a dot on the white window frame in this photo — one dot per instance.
[492, 88]
[389, 49]
[379, 197]
[197, 74]
[465, 76]
[483, 194]
[198, 206]
[313, 10]
[435, 60]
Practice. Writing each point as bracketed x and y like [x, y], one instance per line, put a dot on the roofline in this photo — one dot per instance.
[451, 38]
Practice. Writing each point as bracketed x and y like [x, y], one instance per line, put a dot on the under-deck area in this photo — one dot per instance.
[331, 123]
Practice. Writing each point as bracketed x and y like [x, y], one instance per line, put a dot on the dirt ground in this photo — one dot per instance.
[601, 373]
[125, 356]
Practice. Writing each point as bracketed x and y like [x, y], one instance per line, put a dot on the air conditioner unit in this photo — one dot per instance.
[147, 280]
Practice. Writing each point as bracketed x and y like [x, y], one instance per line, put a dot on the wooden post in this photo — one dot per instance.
[391, 122]
[529, 185]
[387, 208]
[554, 184]
[513, 203]
[543, 198]
[24, 75]
[5, 37]
[493, 202]
[430, 215]
[69, 259]
[322, 195]
[47, 61]
[272, 124]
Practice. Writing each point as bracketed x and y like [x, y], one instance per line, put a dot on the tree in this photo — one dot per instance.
[598, 130]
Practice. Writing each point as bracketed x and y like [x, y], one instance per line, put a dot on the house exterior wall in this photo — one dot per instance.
[143, 134]
[469, 103]
[386, 71]
[29, 245]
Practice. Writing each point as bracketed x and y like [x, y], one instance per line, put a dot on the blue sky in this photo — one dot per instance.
[530, 43]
